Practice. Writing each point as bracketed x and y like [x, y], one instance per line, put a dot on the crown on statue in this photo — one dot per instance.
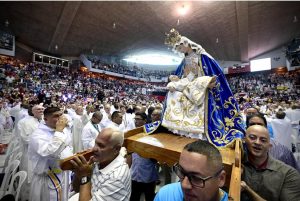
[172, 38]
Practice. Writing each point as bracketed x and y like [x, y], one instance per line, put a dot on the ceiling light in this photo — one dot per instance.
[178, 22]
[114, 25]
[56, 47]
[295, 19]
[182, 10]
[6, 23]
[154, 59]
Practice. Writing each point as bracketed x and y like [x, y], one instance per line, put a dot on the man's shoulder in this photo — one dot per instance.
[87, 125]
[117, 169]
[39, 131]
[170, 192]
[280, 166]
[121, 168]
[277, 165]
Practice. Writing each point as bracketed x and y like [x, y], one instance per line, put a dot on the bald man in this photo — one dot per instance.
[269, 178]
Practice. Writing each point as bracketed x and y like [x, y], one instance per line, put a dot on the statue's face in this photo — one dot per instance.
[182, 49]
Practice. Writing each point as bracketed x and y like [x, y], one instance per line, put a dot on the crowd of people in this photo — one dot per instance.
[128, 70]
[46, 83]
[54, 113]
[266, 85]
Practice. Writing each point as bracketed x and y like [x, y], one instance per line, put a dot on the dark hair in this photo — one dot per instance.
[205, 148]
[115, 114]
[253, 108]
[150, 110]
[50, 110]
[259, 115]
[116, 105]
[280, 115]
[30, 111]
[143, 115]
[97, 115]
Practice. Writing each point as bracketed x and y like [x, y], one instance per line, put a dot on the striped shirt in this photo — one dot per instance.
[282, 153]
[112, 183]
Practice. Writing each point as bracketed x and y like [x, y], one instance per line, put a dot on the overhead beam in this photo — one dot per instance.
[64, 23]
[243, 26]
[24, 47]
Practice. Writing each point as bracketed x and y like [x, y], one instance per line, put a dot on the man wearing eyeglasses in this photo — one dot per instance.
[201, 175]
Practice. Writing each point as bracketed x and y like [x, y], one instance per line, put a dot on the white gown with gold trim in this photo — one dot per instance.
[184, 114]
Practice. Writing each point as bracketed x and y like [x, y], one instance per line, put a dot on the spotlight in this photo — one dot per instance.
[183, 10]
[6, 23]
[295, 19]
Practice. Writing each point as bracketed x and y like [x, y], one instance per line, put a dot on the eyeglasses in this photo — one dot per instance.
[195, 181]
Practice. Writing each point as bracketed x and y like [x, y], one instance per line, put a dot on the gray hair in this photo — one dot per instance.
[117, 136]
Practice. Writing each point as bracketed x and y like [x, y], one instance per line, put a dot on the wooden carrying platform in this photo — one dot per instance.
[166, 148]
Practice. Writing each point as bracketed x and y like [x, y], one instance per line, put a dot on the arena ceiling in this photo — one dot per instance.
[228, 30]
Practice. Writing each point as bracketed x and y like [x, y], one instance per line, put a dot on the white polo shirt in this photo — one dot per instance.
[113, 182]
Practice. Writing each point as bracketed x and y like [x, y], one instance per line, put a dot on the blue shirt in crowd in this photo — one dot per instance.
[173, 192]
[143, 169]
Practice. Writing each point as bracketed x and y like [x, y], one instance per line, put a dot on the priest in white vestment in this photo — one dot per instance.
[128, 120]
[294, 115]
[79, 121]
[282, 130]
[47, 145]
[91, 130]
[26, 127]
[116, 121]
[106, 120]
[5, 117]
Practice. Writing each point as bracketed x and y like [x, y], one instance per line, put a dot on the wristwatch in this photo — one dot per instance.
[85, 180]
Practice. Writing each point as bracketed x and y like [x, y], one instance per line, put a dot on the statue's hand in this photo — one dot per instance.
[171, 89]
[212, 82]
[173, 78]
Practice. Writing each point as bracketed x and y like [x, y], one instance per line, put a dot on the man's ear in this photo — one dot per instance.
[222, 178]
[244, 139]
[117, 148]
[270, 145]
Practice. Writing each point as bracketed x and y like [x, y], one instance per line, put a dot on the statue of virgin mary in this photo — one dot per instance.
[200, 103]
